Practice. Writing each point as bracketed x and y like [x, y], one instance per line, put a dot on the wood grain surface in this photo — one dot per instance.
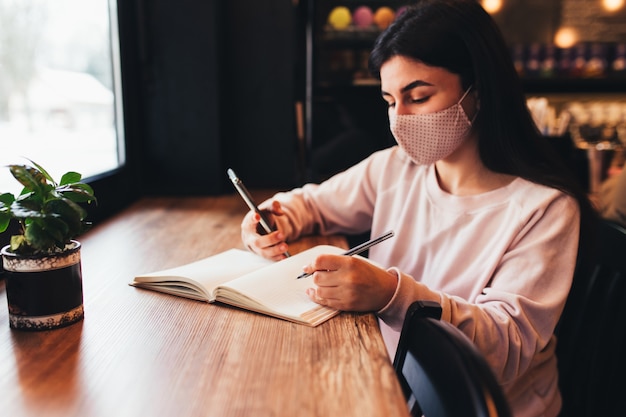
[142, 353]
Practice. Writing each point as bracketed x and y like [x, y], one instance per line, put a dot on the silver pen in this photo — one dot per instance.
[357, 249]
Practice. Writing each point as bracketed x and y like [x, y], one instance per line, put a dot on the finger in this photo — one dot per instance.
[325, 262]
[248, 223]
[270, 246]
[252, 228]
[269, 220]
[259, 229]
[325, 280]
[329, 293]
[277, 209]
[275, 253]
[315, 297]
[324, 268]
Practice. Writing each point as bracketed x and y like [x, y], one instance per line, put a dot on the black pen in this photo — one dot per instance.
[243, 191]
[357, 249]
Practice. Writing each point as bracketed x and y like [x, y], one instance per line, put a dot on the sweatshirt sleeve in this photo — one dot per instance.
[514, 317]
[342, 204]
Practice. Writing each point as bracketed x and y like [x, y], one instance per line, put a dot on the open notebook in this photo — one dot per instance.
[243, 279]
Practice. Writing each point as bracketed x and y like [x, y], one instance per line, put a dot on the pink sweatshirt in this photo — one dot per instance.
[501, 262]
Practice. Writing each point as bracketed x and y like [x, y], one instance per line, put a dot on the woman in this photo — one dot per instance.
[486, 223]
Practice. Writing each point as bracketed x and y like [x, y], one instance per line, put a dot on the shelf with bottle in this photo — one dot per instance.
[584, 67]
[343, 68]
[346, 22]
[588, 133]
[342, 35]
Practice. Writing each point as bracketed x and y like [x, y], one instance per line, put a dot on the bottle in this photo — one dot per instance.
[533, 62]
[597, 64]
[518, 58]
[565, 62]
[577, 69]
[548, 64]
[618, 66]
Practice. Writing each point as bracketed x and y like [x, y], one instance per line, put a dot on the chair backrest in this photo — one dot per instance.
[591, 335]
[441, 371]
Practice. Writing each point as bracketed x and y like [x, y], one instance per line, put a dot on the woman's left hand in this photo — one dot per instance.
[350, 283]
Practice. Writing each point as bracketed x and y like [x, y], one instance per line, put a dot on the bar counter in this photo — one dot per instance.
[139, 352]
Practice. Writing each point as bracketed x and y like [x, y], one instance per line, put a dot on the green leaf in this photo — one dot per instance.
[30, 198]
[70, 178]
[17, 242]
[55, 229]
[5, 219]
[43, 171]
[24, 209]
[80, 193]
[31, 178]
[7, 198]
[83, 186]
[38, 238]
[71, 213]
[49, 213]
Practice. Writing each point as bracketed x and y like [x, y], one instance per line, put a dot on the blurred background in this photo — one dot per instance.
[160, 98]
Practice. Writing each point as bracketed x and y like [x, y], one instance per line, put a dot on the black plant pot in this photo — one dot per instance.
[44, 292]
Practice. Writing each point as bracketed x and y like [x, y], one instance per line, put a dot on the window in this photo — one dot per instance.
[60, 88]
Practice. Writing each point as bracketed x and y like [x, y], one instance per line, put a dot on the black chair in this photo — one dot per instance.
[591, 335]
[440, 370]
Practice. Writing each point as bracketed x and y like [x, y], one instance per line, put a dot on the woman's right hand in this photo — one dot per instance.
[270, 246]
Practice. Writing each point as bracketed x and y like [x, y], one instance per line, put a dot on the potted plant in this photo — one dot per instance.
[42, 261]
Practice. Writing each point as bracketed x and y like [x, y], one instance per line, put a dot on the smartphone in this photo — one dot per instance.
[243, 191]
[265, 223]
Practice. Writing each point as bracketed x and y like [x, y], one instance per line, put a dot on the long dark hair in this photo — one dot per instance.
[461, 37]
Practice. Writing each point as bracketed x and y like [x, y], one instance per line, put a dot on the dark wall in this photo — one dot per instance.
[259, 91]
[217, 91]
[528, 21]
[179, 146]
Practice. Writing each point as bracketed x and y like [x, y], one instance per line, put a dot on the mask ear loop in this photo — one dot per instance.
[466, 93]
[477, 103]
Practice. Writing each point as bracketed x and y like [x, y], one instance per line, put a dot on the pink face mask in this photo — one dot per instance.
[429, 137]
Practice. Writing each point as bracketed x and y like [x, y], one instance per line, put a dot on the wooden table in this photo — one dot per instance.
[142, 353]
